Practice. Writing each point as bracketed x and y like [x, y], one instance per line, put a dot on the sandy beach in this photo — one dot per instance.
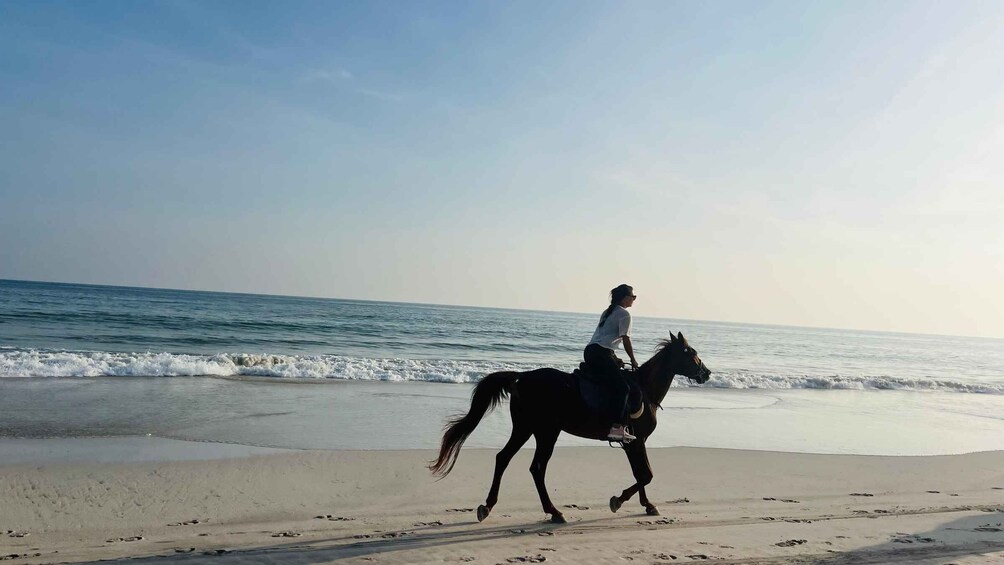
[384, 507]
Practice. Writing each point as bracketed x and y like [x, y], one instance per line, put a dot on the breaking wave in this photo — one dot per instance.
[39, 363]
[57, 363]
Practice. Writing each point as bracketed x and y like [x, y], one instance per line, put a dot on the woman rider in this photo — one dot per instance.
[614, 328]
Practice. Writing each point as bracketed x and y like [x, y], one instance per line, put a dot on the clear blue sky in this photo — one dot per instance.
[825, 163]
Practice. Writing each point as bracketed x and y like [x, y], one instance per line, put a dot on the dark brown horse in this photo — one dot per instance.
[546, 402]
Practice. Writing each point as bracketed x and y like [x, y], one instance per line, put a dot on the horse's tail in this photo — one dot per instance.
[486, 396]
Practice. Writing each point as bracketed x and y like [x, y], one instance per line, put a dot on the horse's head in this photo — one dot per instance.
[685, 360]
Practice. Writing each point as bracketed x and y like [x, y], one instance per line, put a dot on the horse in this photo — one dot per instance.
[546, 402]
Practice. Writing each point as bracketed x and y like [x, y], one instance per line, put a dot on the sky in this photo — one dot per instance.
[821, 164]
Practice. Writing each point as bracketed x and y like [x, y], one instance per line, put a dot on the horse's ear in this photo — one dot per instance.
[672, 337]
[679, 336]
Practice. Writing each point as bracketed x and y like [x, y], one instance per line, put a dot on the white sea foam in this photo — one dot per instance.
[750, 380]
[46, 363]
[39, 363]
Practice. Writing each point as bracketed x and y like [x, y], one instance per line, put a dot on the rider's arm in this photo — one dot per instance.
[626, 340]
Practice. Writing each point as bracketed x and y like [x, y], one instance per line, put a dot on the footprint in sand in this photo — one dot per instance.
[799, 521]
[576, 506]
[527, 559]
[435, 523]
[545, 533]
[216, 552]
[331, 518]
[678, 501]
[460, 510]
[287, 535]
[361, 536]
[660, 522]
[790, 543]
[861, 512]
[698, 556]
[912, 539]
[987, 528]
[934, 492]
[10, 556]
[997, 488]
[788, 500]
[182, 550]
[134, 538]
[664, 556]
[16, 534]
[881, 511]
[391, 535]
[862, 494]
[188, 523]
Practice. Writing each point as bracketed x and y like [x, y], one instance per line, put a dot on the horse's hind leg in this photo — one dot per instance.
[538, 468]
[520, 433]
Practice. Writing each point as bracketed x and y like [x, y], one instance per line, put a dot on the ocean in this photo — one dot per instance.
[102, 361]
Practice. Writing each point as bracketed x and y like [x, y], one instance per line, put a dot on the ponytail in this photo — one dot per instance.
[616, 295]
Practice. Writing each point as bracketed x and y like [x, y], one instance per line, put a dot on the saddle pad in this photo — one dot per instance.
[597, 392]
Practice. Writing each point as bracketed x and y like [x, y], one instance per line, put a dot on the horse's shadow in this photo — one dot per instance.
[971, 535]
[325, 550]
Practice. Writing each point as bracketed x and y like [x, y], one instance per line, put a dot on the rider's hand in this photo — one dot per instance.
[634, 365]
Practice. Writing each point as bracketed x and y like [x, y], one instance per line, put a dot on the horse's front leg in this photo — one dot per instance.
[642, 471]
[650, 508]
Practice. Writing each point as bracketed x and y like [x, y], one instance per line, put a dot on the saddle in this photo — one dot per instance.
[603, 396]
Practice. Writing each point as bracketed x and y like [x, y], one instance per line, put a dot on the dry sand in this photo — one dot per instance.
[383, 507]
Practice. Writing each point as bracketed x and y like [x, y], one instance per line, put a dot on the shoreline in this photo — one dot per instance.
[55, 451]
[369, 415]
[325, 506]
[121, 449]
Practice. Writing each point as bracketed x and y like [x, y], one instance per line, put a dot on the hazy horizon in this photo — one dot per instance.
[489, 307]
[824, 165]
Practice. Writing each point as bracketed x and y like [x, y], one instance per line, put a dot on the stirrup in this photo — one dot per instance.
[625, 438]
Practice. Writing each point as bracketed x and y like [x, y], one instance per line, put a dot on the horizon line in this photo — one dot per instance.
[495, 308]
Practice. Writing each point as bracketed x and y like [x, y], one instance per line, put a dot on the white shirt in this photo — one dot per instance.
[614, 328]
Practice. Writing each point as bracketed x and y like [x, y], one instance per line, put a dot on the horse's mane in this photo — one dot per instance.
[654, 368]
[663, 344]
[660, 351]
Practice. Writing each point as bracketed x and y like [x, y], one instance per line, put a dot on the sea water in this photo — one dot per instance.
[276, 371]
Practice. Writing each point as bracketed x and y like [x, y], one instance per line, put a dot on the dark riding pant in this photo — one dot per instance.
[604, 362]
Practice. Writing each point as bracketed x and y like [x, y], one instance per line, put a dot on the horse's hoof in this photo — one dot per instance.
[652, 511]
[558, 519]
[615, 504]
[483, 512]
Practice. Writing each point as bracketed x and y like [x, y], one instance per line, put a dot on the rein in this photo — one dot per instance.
[648, 381]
